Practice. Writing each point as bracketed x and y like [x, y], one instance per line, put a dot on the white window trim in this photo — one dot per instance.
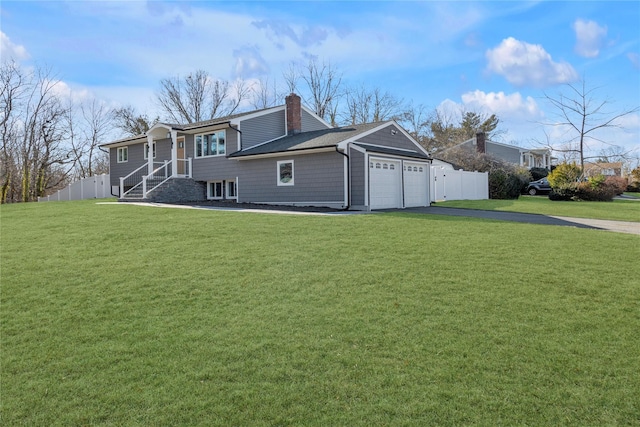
[293, 174]
[228, 185]
[122, 150]
[209, 195]
[145, 151]
[195, 144]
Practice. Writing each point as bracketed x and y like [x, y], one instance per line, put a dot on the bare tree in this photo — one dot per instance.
[35, 156]
[130, 122]
[365, 105]
[199, 97]
[12, 91]
[291, 76]
[417, 120]
[322, 83]
[96, 122]
[580, 115]
[265, 94]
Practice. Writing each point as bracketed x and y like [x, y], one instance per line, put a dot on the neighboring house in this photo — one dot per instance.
[529, 158]
[284, 155]
[604, 168]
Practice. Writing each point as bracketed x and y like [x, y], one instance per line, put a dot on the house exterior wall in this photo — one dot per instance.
[318, 178]
[163, 150]
[261, 129]
[385, 138]
[135, 160]
[509, 154]
[357, 169]
[310, 123]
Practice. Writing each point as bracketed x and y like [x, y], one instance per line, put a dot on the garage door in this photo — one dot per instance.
[385, 179]
[415, 179]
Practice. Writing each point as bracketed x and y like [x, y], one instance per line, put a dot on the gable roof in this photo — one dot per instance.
[326, 138]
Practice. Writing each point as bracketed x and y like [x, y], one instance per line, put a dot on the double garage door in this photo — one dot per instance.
[397, 183]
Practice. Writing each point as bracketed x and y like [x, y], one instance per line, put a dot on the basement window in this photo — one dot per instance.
[214, 190]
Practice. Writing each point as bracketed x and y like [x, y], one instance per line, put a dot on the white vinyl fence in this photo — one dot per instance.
[450, 184]
[94, 187]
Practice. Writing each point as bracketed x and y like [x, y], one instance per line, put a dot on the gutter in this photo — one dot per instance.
[348, 198]
[110, 189]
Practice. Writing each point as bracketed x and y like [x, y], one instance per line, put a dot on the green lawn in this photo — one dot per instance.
[125, 315]
[619, 210]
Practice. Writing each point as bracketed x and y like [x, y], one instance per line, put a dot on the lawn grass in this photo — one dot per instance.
[618, 210]
[127, 315]
[632, 194]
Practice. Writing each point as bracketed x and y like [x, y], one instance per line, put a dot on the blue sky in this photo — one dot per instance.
[493, 57]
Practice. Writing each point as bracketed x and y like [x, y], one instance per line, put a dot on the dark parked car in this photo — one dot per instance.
[538, 187]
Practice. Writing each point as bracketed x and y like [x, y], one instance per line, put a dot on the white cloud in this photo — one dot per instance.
[589, 38]
[525, 64]
[10, 50]
[503, 105]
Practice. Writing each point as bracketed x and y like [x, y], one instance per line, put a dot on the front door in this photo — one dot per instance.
[180, 156]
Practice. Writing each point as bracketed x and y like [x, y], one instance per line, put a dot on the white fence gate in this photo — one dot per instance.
[450, 184]
[94, 187]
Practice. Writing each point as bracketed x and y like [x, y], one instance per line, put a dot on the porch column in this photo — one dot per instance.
[174, 153]
[149, 154]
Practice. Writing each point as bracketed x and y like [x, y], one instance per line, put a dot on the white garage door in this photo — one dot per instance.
[385, 179]
[415, 184]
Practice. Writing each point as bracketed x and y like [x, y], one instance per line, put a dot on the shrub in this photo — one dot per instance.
[618, 183]
[634, 187]
[595, 192]
[564, 174]
[538, 173]
[563, 192]
[507, 183]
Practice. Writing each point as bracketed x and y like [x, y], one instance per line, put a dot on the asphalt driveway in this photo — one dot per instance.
[599, 224]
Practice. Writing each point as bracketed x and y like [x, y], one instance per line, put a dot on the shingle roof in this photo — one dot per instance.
[390, 150]
[218, 120]
[308, 140]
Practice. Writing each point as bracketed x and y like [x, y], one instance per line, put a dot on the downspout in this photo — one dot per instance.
[110, 186]
[347, 177]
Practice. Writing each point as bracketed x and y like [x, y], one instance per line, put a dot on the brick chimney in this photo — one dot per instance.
[481, 145]
[294, 114]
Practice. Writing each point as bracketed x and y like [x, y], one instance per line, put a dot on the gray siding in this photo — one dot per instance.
[263, 128]
[318, 178]
[509, 154]
[357, 170]
[163, 150]
[310, 123]
[385, 138]
[117, 170]
[136, 159]
[215, 168]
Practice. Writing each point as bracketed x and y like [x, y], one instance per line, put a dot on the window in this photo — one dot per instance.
[392, 166]
[214, 190]
[285, 172]
[231, 190]
[146, 151]
[123, 154]
[210, 144]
